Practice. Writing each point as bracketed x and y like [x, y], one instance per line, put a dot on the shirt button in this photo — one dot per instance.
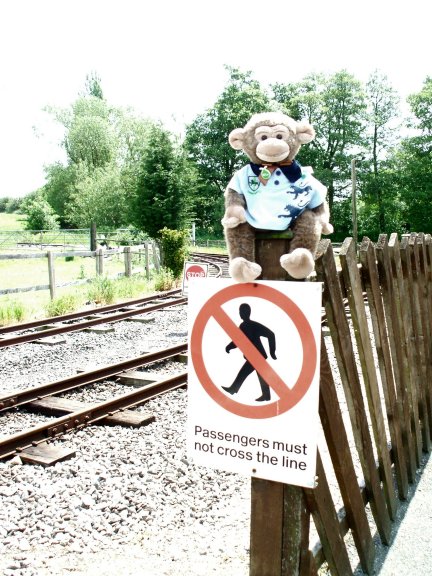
[276, 182]
[278, 172]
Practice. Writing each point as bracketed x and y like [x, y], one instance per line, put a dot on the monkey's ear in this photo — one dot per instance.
[305, 133]
[236, 138]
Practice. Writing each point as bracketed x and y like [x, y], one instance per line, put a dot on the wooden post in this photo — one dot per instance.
[147, 260]
[279, 518]
[51, 274]
[99, 262]
[156, 260]
[127, 261]
[93, 236]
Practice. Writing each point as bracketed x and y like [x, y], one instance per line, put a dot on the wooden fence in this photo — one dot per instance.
[375, 407]
[149, 253]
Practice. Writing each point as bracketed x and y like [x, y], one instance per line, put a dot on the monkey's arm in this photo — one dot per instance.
[234, 209]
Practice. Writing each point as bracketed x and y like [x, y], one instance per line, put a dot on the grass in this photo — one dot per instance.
[26, 306]
[12, 221]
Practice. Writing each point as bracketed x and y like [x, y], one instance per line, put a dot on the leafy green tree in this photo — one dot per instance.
[207, 143]
[93, 86]
[381, 210]
[335, 106]
[98, 196]
[414, 161]
[104, 147]
[164, 193]
[40, 215]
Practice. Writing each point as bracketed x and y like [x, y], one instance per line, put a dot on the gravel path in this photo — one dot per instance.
[129, 502]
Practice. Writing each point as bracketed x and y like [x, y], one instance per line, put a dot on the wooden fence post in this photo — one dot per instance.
[51, 274]
[147, 259]
[99, 262]
[127, 261]
[279, 519]
[93, 236]
[156, 259]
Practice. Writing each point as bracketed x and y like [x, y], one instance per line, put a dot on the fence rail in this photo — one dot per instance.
[67, 239]
[148, 251]
[378, 306]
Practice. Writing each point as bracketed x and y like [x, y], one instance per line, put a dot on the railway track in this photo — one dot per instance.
[43, 399]
[19, 334]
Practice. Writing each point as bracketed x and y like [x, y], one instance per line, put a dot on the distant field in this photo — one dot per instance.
[11, 221]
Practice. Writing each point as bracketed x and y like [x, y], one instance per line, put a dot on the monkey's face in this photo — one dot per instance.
[273, 143]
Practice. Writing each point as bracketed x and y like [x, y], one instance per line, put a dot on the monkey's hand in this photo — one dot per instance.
[234, 215]
[327, 228]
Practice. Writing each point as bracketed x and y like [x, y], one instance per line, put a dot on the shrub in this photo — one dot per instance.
[11, 312]
[102, 291]
[164, 280]
[62, 305]
[174, 249]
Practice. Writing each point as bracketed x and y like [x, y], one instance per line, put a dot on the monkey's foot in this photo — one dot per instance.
[299, 264]
[241, 270]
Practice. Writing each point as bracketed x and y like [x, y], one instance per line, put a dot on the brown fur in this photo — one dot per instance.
[283, 137]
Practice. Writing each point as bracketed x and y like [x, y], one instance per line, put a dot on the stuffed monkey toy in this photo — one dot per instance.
[273, 193]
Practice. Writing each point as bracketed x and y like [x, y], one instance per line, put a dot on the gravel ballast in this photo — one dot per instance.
[130, 502]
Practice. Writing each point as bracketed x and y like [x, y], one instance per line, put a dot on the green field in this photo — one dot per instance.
[11, 221]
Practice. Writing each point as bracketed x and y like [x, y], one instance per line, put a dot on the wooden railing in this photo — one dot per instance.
[375, 401]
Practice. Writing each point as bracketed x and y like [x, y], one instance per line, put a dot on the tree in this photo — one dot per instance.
[164, 193]
[98, 196]
[414, 161]
[93, 86]
[335, 106]
[207, 142]
[381, 210]
[104, 145]
[40, 215]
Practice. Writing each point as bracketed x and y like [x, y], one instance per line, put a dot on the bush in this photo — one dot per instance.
[40, 215]
[164, 280]
[11, 312]
[102, 291]
[62, 305]
[174, 249]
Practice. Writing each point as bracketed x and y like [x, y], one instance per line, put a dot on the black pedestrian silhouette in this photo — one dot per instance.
[254, 332]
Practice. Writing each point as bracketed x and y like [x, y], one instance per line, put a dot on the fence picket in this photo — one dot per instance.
[394, 414]
[340, 331]
[339, 450]
[348, 259]
[400, 255]
[394, 321]
[421, 326]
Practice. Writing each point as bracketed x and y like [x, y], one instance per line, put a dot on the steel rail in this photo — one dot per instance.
[18, 442]
[13, 340]
[20, 397]
[86, 313]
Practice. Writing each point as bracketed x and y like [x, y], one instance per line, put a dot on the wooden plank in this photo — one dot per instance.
[419, 308]
[425, 265]
[341, 337]
[137, 378]
[54, 405]
[394, 415]
[396, 332]
[46, 455]
[348, 260]
[339, 449]
[279, 516]
[400, 252]
[266, 528]
[320, 504]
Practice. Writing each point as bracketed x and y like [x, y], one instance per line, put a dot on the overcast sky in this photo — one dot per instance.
[166, 58]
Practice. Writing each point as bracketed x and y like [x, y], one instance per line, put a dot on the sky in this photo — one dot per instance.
[165, 58]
